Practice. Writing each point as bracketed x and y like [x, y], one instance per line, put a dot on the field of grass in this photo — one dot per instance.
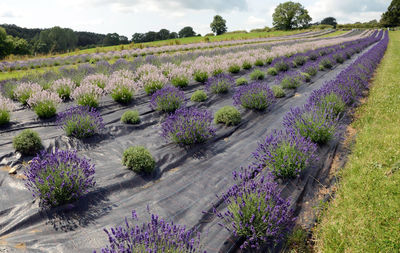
[365, 214]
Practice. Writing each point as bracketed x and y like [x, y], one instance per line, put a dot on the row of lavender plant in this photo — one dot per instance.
[123, 84]
[255, 210]
[94, 57]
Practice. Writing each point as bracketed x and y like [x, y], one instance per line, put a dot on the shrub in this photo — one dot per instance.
[255, 211]
[299, 60]
[291, 81]
[311, 69]
[259, 62]
[278, 91]
[269, 60]
[63, 87]
[188, 126]
[285, 153]
[180, 77]
[59, 177]
[153, 81]
[338, 58]
[241, 81]
[199, 96]
[272, 71]
[28, 142]
[138, 159]
[157, 235]
[331, 102]
[130, 117]
[80, 121]
[44, 103]
[257, 75]
[313, 56]
[227, 115]
[121, 89]
[326, 63]
[24, 90]
[281, 66]
[256, 96]
[246, 65]
[200, 76]
[306, 77]
[87, 95]
[6, 106]
[234, 68]
[98, 80]
[219, 84]
[167, 99]
[311, 122]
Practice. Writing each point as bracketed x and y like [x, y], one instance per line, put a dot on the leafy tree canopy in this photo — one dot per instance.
[218, 26]
[290, 15]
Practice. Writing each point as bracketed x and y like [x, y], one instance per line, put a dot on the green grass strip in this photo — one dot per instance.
[364, 216]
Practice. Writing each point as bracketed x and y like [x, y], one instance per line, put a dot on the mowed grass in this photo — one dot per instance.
[364, 216]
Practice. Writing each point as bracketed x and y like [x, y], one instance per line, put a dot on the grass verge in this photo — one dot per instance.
[365, 214]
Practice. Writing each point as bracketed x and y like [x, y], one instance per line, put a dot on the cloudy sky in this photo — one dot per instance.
[129, 16]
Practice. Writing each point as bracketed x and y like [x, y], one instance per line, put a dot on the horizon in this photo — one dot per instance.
[125, 16]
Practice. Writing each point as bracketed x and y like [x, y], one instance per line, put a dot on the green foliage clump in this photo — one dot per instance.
[45, 110]
[234, 69]
[272, 71]
[28, 142]
[246, 65]
[4, 117]
[332, 102]
[138, 159]
[278, 91]
[259, 63]
[241, 81]
[130, 117]
[227, 115]
[199, 96]
[326, 63]
[153, 86]
[291, 82]
[257, 75]
[200, 76]
[306, 77]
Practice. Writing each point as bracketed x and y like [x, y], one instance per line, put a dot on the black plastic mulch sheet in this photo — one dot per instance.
[185, 183]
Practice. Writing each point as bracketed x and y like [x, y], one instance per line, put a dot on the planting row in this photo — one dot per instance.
[94, 57]
[255, 210]
[122, 85]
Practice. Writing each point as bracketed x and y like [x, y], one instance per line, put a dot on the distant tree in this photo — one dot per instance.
[138, 37]
[218, 26]
[111, 39]
[290, 15]
[87, 39]
[391, 18]
[163, 34]
[150, 36]
[123, 39]
[56, 39]
[329, 21]
[173, 35]
[21, 47]
[186, 32]
[6, 43]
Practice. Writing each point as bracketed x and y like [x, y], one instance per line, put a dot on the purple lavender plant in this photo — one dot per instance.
[256, 212]
[311, 122]
[6, 106]
[59, 177]
[168, 99]
[188, 126]
[285, 153]
[80, 121]
[256, 96]
[155, 236]
[220, 83]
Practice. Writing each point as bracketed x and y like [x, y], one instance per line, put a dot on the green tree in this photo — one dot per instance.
[6, 43]
[329, 21]
[290, 15]
[187, 31]
[56, 39]
[111, 39]
[21, 47]
[218, 26]
[391, 17]
[163, 34]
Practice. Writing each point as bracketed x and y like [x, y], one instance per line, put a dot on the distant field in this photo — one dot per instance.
[179, 41]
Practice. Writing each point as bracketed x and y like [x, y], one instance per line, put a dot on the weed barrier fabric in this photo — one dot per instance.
[184, 184]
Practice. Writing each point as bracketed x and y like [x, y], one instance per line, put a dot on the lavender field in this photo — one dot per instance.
[226, 142]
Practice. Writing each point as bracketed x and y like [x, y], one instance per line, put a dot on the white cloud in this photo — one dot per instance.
[251, 20]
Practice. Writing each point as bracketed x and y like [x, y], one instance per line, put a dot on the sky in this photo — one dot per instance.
[127, 17]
